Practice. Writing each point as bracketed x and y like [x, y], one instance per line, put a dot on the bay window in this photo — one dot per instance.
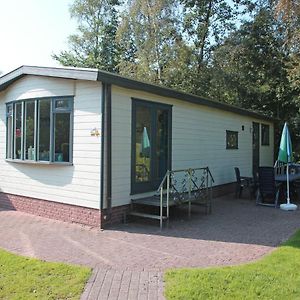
[40, 130]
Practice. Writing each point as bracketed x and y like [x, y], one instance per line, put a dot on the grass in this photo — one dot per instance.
[276, 276]
[27, 278]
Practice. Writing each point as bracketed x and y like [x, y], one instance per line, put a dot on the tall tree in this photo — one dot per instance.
[288, 11]
[95, 43]
[147, 37]
[249, 68]
[207, 22]
[205, 25]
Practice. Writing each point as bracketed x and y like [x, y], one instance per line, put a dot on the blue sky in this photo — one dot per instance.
[31, 30]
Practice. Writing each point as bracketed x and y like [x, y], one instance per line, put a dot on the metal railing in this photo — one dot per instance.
[185, 186]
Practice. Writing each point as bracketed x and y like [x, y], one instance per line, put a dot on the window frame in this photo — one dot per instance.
[263, 141]
[53, 112]
[228, 146]
[12, 130]
[25, 129]
[153, 183]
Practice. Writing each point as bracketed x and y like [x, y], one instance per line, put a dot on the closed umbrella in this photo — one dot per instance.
[145, 144]
[145, 154]
[285, 155]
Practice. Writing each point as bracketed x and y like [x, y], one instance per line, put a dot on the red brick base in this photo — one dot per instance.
[52, 210]
[223, 189]
[78, 214]
[117, 215]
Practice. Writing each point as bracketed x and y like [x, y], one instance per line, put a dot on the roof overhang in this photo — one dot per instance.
[114, 79]
[67, 73]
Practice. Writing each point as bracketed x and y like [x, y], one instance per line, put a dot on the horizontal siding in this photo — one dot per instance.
[78, 184]
[198, 139]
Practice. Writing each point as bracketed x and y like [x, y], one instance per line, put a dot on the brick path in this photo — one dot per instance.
[111, 284]
[129, 260]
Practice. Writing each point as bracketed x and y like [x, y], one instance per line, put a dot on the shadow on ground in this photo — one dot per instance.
[236, 232]
[232, 220]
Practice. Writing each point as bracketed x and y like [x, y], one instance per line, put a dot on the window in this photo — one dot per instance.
[40, 130]
[9, 131]
[265, 135]
[30, 118]
[151, 144]
[231, 139]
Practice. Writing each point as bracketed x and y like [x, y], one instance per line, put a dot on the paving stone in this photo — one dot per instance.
[130, 259]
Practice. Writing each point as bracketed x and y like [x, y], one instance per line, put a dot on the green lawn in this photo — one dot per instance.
[26, 278]
[276, 276]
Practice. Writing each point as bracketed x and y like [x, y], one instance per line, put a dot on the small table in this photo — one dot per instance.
[293, 180]
[282, 177]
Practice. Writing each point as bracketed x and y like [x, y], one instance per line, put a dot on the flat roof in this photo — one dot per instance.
[115, 79]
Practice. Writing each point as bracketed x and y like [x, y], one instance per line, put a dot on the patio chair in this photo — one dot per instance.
[268, 190]
[280, 168]
[242, 182]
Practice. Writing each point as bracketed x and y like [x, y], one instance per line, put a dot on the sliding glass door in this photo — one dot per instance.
[151, 144]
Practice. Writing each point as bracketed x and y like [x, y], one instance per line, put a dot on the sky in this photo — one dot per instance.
[32, 30]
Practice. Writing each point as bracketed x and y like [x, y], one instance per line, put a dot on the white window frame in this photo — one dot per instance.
[53, 112]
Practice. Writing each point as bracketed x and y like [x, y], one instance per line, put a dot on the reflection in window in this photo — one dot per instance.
[29, 130]
[18, 130]
[161, 159]
[143, 144]
[62, 137]
[62, 104]
[44, 130]
[231, 139]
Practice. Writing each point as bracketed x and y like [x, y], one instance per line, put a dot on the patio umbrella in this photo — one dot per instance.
[285, 155]
[145, 143]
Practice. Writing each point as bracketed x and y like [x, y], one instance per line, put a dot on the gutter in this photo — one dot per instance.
[105, 200]
[102, 151]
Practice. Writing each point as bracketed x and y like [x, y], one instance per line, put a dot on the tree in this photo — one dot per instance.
[148, 38]
[249, 68]
[206, 24]
[288, 11]
[95, 43]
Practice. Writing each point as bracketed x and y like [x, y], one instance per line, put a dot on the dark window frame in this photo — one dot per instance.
[265, 135]
[152, 185]
[228, 145]
[53, 112]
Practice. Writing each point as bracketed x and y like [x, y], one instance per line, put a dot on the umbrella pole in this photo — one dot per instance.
[287, 184]
[288, 205]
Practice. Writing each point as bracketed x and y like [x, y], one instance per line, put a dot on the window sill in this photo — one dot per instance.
[32, 162]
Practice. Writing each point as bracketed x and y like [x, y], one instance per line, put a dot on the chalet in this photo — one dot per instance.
[79, 144]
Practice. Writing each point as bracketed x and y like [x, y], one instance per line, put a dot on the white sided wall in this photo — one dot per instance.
[198, 140]
[78, 184]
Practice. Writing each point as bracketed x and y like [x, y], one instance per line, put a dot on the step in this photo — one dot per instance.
[143, 215]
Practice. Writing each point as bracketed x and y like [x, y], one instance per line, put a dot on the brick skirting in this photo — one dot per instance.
[78, 214]
[52, 210]
[223, 189]
[118, 215]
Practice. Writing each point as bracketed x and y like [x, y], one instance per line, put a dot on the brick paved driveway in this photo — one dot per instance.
[129, 260]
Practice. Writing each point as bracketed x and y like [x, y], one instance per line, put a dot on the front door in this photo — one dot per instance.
[255, 147]
[151, 144]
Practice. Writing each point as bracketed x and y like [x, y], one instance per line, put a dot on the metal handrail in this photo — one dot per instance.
[212, 178]
[183, 170]
[167, 180]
